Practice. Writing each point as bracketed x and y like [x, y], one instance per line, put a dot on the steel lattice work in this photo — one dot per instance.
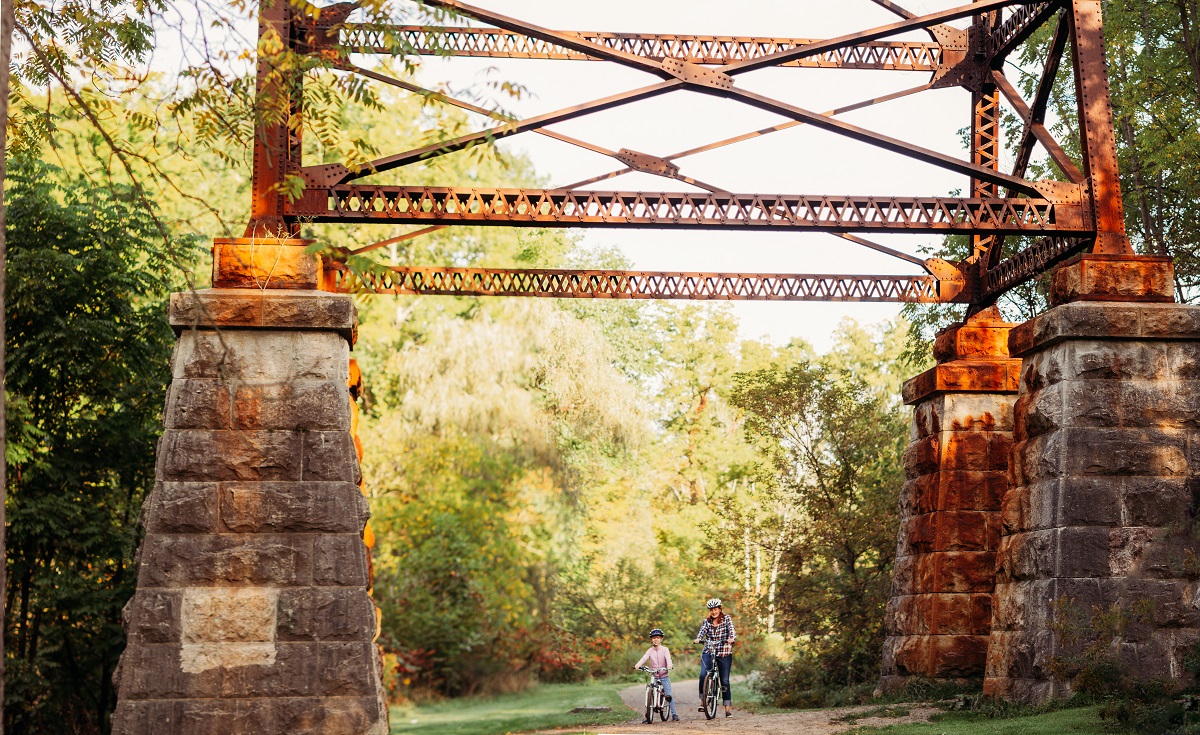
[1081, 211]
[589, 284]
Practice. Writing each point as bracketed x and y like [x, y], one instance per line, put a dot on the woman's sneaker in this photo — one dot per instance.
[674, 718]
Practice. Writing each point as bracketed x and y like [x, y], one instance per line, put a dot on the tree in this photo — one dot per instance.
[832, 450]
[87, 353]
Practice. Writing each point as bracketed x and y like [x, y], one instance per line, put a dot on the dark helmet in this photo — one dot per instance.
[657, 632]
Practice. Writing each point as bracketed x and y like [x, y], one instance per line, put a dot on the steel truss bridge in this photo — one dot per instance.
[1079, 212]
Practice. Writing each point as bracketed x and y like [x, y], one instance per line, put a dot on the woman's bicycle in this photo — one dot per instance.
[712, 686]
[656, 697]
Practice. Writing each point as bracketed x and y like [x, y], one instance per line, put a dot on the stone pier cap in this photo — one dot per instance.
[972, 356]
[233, 308]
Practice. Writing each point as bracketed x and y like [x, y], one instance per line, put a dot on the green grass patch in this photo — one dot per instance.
[541, 707]
[891, 710]
[1079, 720]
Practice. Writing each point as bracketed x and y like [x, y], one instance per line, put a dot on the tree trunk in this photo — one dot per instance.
[6, 29]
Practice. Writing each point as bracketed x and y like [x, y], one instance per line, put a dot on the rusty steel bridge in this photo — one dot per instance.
[1056, 219]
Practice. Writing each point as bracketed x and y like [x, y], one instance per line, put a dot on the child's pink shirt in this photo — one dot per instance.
[656, 659]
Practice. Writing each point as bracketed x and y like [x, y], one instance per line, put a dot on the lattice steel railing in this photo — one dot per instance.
[601, 284]
[1033, 260]
[499, 43]
[572, 208]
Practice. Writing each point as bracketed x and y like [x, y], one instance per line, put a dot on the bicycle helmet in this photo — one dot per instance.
[657, 632]
[714, 602]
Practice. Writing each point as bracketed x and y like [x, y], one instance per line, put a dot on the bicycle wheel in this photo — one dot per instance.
[649, 704]
[664, 707]
[712, 688]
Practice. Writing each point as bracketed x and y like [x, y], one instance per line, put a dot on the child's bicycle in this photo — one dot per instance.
[712, 687]
[656, 697]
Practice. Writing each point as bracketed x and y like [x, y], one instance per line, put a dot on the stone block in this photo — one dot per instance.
[1183, 358]
[920, 495]
[1094, 277]
[345, 669]
[198, 455]
[133, 717]
[921, 457]
[972, 340]
[919, 534]
[263, 264]
[340, 560]
[1083, 551]
[1117, 452]
[279, 507]
[1074, 321]
[279, 311]
[153, 671]
[199, 403]
[1157, 501]
[182, 507]
[980, 376]
[314, 405]
[958, 571]
[1090, 501]
[1037, 459]
[963, 531]
[1027, 556]
[153, 616]
[970, 490]
[965, 451]
[1025, 605]
[261, 355]
[357, 715]
[1088, 404]
[926, 418]
[1117, 360]
[1015, 512]
[325, 614]
[226, 717]
[229, 614]
[1045, 368]
[205, 561]
[958, 656]
[329, 456]
[978, 411]
[293, 674]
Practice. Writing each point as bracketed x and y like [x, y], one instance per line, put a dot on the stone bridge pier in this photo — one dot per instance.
[1097, 546]
[252, 612]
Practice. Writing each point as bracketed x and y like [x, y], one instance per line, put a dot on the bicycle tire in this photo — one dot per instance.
[712, 689]
[649, 704]
[664, 707]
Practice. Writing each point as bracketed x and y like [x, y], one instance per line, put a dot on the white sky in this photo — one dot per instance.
[802, 160]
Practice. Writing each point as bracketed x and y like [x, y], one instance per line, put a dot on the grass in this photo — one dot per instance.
[1080, 721]
[541, 707]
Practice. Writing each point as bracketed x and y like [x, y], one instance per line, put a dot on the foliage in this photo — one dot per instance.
[1082, 720]
[87, 354]
[832, 448]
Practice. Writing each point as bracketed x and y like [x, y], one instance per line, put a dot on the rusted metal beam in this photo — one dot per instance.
[1099, 141]
[1038, 130]
[684, 210]
[499, 43]
[1041, 98]
[1029, 263]
[613, 284]
[1017, 28]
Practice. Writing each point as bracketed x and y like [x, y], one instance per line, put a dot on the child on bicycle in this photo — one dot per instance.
[658, 658]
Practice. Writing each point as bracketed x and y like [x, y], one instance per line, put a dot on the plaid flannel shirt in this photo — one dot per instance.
[720, 637]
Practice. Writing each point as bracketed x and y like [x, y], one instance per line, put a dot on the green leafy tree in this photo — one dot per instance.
[832, 448]
[87, 354]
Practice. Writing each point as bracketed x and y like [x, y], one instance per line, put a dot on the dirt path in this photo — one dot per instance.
[687, 700]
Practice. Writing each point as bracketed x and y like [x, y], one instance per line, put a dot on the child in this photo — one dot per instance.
[658, 658]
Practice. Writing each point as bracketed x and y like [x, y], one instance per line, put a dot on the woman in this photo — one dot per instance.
[717, 633]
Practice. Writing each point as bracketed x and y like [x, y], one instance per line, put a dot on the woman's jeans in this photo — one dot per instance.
[723, 664]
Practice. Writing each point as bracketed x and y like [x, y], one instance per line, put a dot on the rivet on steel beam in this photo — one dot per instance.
[1059, 192]
[951, 280]
[647, 163]
[690, 73]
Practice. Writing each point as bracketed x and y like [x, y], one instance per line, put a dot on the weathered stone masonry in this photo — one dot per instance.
[252, 612]
[939, 615]
[1105, 475]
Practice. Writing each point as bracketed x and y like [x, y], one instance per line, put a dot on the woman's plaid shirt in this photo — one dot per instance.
[720, 637]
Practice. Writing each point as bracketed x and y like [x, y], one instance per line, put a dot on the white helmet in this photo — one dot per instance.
[714, 603]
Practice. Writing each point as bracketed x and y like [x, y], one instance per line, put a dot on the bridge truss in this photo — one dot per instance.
[1078, 213]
